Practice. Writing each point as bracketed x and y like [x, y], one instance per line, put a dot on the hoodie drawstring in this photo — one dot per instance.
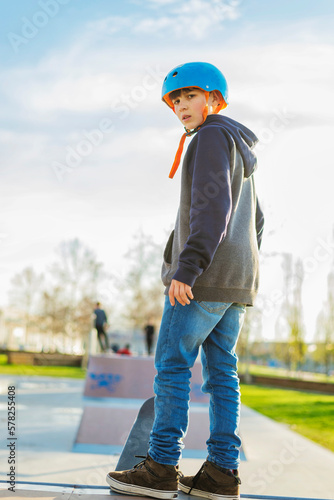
[177, 158]
[178, 155]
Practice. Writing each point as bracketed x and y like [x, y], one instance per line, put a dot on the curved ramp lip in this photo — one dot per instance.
[100, 490]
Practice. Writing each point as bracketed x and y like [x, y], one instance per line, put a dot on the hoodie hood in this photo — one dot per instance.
[236, 133]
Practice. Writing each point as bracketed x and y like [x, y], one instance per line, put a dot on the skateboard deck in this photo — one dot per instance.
[137, 443]
[138, 440]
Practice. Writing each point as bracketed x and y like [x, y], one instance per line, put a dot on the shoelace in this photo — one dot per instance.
[196, 478]
[140, 465]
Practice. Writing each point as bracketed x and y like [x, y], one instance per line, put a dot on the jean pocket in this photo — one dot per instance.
[214, 307]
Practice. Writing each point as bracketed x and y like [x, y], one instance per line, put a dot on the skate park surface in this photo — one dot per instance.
[52, 463]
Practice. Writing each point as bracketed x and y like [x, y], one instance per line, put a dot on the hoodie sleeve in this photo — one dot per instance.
[259, 223]
[211, 202]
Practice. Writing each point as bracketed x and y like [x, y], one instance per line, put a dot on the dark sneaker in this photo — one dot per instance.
[213, 482]
[148, 478]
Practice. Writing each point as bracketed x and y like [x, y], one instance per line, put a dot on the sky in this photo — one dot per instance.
[87, 144]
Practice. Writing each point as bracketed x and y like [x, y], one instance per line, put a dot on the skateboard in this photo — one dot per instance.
[137, 443]
[138, 440]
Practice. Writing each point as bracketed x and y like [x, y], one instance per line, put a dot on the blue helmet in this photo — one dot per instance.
[195, 74]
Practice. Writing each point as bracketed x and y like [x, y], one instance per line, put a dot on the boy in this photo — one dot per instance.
[210, 272]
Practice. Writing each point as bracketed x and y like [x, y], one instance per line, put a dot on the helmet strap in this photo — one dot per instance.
[206, 109]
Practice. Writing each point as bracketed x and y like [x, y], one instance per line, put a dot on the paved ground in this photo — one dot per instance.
[278, 461]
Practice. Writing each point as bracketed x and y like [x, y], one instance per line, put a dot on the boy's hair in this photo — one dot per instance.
[176, 93]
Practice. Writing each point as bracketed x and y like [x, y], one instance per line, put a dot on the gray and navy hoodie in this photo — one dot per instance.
[214, 245]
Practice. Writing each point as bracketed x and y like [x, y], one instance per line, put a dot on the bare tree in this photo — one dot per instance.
[76, 278]
[53, 313]
[290, 320]
[143, 287]
[325, 328]
[252, 327]
[62, 304]
[24, 297]
[77, 271]
[297, 347]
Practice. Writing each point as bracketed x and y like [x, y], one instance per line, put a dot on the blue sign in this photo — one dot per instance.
[108, 381]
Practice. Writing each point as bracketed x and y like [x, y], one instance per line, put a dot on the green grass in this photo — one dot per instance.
[40, 371]
[307, 413]
[282, 372]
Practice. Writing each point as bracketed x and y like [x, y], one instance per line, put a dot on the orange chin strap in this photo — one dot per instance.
[187, 133]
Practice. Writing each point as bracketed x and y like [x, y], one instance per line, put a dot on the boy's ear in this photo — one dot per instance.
[215, 97]
[215, 100]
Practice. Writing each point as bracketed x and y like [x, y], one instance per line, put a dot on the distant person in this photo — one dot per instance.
[149, 337]
[125, 350]
[99, 323]
[114, 348]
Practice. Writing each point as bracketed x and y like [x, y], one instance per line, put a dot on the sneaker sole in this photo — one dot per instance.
[207, 494]
[133, 489]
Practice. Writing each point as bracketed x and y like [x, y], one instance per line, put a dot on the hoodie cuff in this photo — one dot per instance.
[186, 275]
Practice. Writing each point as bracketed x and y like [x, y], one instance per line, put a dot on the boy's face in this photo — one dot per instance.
[189, 105]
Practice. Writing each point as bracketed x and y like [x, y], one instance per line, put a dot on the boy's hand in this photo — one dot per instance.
[181, 292]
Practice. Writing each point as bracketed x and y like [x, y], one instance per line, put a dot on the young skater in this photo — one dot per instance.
[211, 274]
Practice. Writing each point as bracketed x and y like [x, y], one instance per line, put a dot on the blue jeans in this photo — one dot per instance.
[215, 326]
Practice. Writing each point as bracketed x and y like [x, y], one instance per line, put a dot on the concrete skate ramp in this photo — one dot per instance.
[114, 376]
[52, 491]
[105, 430]
[111, 426]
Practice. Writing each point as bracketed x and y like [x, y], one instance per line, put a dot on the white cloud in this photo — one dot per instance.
[194, 18]
[109, 25]
[21, 151]
[152, 25]
[298, 76]
[44, 90]
[156, 3]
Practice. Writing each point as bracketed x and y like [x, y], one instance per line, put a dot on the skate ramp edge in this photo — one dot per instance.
[104, 430]
[56, 491]
[114, 376]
